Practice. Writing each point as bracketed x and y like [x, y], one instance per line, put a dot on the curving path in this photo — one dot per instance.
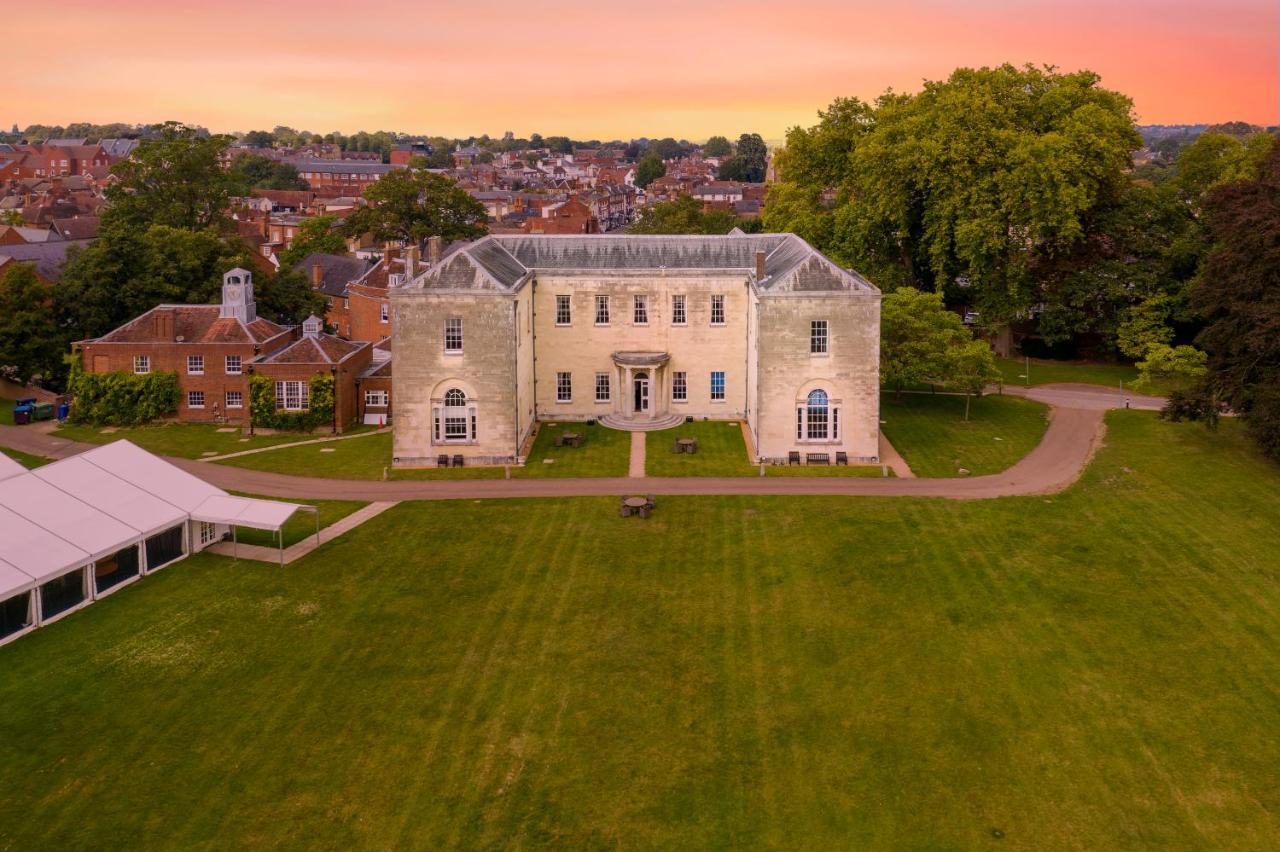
[1075, 430]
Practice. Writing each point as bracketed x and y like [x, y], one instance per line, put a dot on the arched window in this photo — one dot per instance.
[817, 416]
[455, 419]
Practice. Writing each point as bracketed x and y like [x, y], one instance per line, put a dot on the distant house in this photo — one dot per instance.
[47, 258]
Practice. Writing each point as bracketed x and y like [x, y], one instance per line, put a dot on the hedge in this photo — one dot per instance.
[120, 398]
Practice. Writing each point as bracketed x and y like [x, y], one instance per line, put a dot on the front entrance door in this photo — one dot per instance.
[642, 393]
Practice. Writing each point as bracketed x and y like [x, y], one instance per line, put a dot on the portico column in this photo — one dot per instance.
[628, 404]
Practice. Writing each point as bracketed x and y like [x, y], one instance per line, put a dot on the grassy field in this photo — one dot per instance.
[1094, 670]
[605, 453]
[932, 435]
[183, 440]
[1055, 372]
[302, 524]
[25, 459]
[722, 451]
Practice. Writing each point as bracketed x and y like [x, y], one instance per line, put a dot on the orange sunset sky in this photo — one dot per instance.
[601, 68]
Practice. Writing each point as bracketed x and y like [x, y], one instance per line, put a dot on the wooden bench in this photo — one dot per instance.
[793, 457]
[459, 461]
[842, 458]
[817, 458]
[442, 461]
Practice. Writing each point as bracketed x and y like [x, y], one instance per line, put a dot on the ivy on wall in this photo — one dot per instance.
[120, 398]
[262, 405]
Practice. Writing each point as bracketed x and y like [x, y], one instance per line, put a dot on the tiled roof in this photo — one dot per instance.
[337, 270]
[47, 257]
[194, 324]
[318, 349]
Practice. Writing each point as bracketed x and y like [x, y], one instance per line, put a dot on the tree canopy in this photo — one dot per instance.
[412, 205]
[749, 161]
[684, 215]
[717, 146]
[31, 343]
[173, 179]
[253, 171]
[649, 168]
[1239, 297]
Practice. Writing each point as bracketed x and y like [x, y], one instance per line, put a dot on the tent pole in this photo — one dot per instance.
[280, 542]
[316, 514]
[235, 551]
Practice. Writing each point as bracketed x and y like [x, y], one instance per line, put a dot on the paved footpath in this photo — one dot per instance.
[1075, 430]
[636, 469]
[300, 549]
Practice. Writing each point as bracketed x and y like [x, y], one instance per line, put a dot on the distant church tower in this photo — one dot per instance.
[237, 296]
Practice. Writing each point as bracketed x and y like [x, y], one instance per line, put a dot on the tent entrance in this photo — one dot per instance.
[165, 547]
[64, 593]
[115, 569]
[15, 614]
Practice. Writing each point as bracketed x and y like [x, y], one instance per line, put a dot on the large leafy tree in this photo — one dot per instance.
[173, 179]
[917, 334]
[253, 171]
[684, 215]
[749, 162]
[411, 205]
[317, 234]
[717, 146]
[649, 169]
[1239, 296]
[972, 182]
[31, 344]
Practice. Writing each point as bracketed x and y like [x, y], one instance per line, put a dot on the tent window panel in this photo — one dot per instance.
[116, 568]
[58, 596]
[164, 547]
[15, 614]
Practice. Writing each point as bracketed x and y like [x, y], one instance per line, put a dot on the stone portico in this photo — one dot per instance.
[638, 333]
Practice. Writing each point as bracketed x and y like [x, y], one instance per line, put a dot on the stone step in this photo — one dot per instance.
[623, 424]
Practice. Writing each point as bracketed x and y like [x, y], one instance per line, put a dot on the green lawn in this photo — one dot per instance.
[302, 524]
[1093, 670]
[932, 435]
[722, 451]
[1055, 372]
[183, 440]
[605, 453]
[26, 460]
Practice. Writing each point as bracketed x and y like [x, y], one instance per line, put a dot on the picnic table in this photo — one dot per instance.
[686, 445]
[569, 439]
[641, 506]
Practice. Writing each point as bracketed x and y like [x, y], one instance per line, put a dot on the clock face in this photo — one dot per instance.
[233, 293]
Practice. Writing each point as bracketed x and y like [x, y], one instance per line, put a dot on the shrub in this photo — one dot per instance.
[120, 398]
[262, 405]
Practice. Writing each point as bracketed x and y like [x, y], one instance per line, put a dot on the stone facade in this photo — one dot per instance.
[637, 332]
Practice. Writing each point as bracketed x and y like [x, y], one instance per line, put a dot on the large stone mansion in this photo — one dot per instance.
[637, 332]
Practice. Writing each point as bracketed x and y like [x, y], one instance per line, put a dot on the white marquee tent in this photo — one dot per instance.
[77, 529]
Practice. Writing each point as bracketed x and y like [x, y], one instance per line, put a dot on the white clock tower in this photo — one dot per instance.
[237, 296]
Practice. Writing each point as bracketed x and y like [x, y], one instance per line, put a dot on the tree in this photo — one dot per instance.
[253, 171]
[667, 149]
[411, 205]
[317, 234]
[31, 344]
[1239, 297]
[173, 179]
[649, 169]
[975, 180]
[12, 217]
[559, 144]
[750, 161]
[970, 367]
[717, 146]
[1218, 158]
[917, 337]
[683, 215]
[1164, 364]
[259, 139]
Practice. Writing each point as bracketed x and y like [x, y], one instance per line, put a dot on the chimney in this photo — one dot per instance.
[317, 276]
[435, 250]
[760, 273]
[388, 254]
[411, 257]
[266, 225]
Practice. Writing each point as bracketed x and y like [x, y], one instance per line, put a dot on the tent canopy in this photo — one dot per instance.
[12, 581]
[10, 468]
[110, 494]
[244, 512]
[152, 474]
[71, 520]
[38, 553]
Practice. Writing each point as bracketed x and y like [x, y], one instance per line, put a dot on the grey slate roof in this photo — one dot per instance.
[338, 271]
[501, 262]
[47, 257]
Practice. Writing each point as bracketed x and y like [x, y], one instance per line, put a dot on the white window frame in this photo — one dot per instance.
[564, 310]
[384, 312]
[376, 399]
[603, 384]
[679, 386]
[564, 387]
[679, 316]
[717, 309]
[812, 431]
[195, 365]
[640, 309]
[723, 385]
[239, 399]
[208, 533]
[232, 365]
[293, 396]
[602, 310]
[141, 365]
[819, 337]
[192, 395]
[453, 335]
